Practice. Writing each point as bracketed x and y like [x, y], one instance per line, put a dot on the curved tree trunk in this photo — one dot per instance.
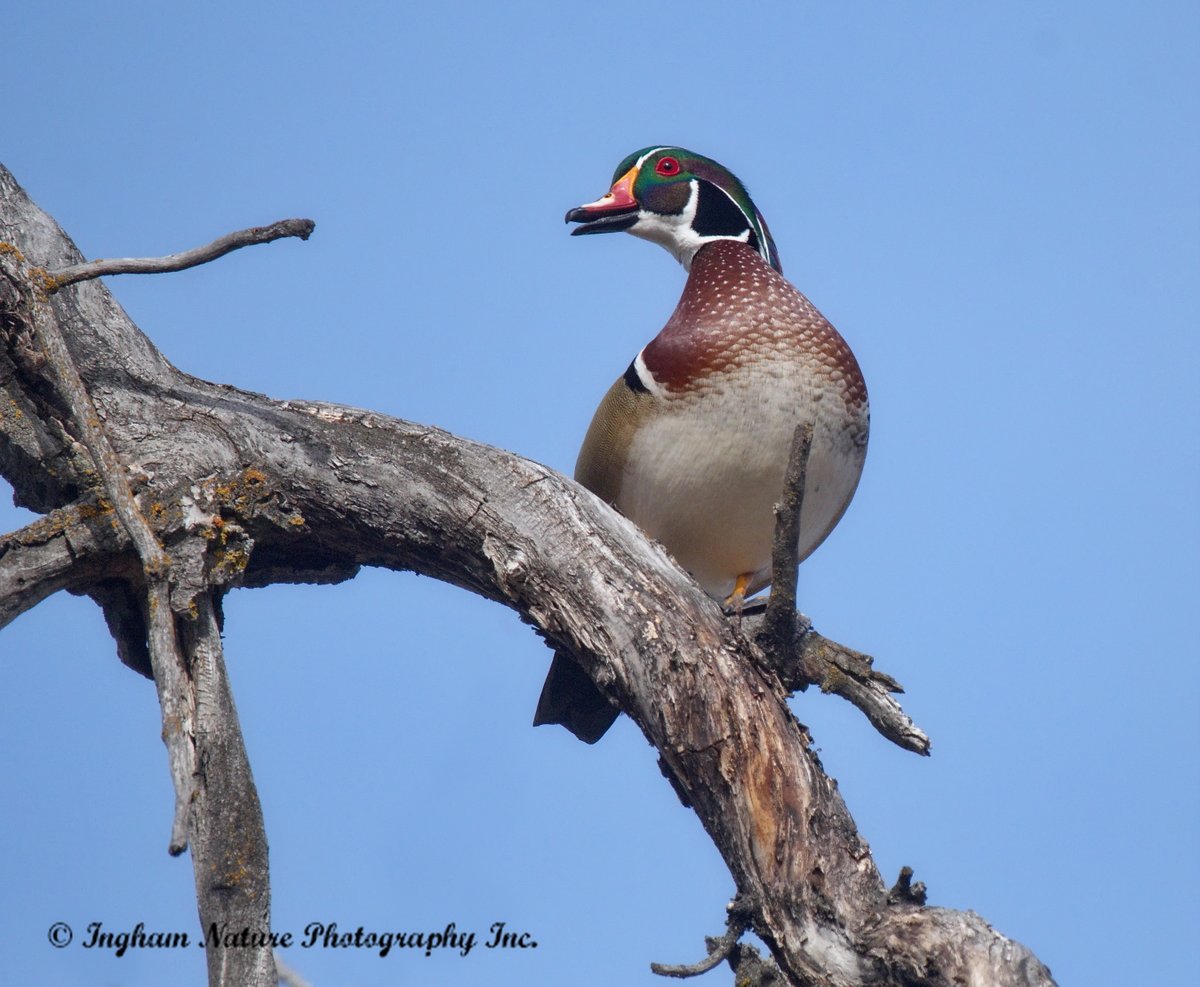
[239, 489]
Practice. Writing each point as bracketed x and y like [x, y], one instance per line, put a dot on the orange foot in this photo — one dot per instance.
[733, 603]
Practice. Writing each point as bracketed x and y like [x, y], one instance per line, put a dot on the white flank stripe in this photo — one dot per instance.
[647, 378]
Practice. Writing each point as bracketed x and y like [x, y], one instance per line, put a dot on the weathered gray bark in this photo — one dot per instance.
[244, 490]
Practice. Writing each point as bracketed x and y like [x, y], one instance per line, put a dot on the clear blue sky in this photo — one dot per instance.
[998, 205]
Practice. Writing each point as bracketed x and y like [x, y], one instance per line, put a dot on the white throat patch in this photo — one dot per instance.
[675, 232]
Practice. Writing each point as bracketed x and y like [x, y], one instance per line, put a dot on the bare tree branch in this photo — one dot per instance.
[229, 841]
[200, 724]
[73, 546]
[800, 656]
[719, 947]
[55, 280]
[751, 970]
[777, 634]
[170, 673]
[835, 668]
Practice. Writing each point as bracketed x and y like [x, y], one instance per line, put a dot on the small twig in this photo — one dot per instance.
[178, 706]
[166, 657]
[778, 629]
[301, 228]
[849, 674]
[719, 948]
[904, 892]
[814, 659]
[287, 976]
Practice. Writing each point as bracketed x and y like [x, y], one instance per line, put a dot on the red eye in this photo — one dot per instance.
[667, 167]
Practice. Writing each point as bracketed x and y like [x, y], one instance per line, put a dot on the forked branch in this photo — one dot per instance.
[798, 654]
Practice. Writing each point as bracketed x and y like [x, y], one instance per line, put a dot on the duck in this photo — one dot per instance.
[692, 441]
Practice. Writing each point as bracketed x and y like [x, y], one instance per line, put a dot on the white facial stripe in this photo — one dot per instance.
[654, 150]
[745, 237]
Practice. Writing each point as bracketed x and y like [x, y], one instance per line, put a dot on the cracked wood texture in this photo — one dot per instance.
[246, 490]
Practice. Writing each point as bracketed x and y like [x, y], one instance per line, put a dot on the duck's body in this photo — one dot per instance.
[692, 442]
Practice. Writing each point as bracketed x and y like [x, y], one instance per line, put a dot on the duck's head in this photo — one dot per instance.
[679, 199]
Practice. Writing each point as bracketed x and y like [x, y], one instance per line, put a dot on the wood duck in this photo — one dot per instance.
[692, 441]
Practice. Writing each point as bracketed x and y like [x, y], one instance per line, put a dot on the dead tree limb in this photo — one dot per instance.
[200, 727]
[170, 672]
[229, 840]
[720, 947]
[244, 490]
[778, 631]
[54, 280]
